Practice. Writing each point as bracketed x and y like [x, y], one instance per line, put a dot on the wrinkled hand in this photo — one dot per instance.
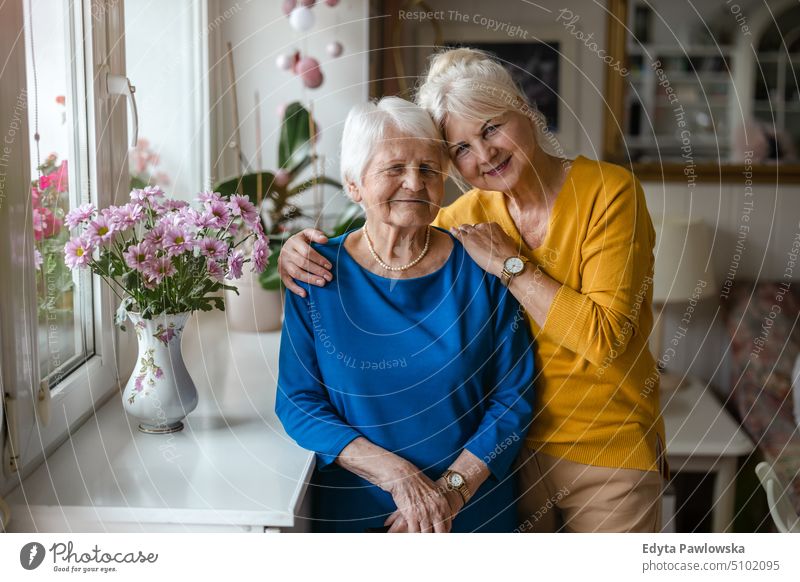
[404, 521]
[422, 506]
[301, 262]
[487, 244]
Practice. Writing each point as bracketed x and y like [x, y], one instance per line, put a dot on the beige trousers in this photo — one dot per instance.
[585, 498]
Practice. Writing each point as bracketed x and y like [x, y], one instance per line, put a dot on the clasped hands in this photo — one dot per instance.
[423, 505]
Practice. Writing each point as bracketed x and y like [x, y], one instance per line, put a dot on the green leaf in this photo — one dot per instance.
[351, 218]
[301, 165]
[137, 183]
[249, 184]
[303, 186]
[295, 142]
[270, 279]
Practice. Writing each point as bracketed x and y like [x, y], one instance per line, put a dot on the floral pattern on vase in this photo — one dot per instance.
[160, 392]
[148, 368]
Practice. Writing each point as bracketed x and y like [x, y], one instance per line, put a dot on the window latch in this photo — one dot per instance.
[120, 85]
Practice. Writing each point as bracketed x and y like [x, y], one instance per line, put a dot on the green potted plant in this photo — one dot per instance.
[258, 305]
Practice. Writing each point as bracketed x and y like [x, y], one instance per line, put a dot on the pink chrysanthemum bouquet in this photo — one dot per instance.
[162, 256]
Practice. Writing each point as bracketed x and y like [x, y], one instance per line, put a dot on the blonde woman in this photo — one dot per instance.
[573, 241]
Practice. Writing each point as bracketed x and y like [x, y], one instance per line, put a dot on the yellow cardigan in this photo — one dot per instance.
[597, 383]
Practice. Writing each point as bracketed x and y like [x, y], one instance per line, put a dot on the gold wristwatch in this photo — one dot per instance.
[455, 480]
[512, 267]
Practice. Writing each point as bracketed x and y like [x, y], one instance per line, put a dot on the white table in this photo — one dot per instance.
[232, 468]
[702, 437]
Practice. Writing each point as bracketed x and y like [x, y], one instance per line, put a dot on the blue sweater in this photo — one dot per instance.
[423, 367]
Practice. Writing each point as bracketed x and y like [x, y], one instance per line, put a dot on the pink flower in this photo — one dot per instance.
[261, 254]
[45, 223]
[127, 216]
[62, 177]
[219, 211]
[213, 248]
[241, 206]
[47, 181]
[208, 197]
[215, 270]
[158, 269]
[155, 238]
[171, 204]
[79, 215]
[164, 336]
[235, 264]
[148, 194]
[77, 252]
[153, 192]
[100, 230]
[38, 222]
[207, 220]
[137, 256]
[177, 241]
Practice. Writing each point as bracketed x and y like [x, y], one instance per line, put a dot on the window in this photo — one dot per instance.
[57, 332]
[59, 176]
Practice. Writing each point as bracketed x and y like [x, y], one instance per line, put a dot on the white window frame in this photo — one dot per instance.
[99, 45]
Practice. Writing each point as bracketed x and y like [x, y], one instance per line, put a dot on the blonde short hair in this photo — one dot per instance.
[471, 84]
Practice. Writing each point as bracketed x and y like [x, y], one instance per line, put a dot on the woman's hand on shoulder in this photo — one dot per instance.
[487, 244]
[298, 261]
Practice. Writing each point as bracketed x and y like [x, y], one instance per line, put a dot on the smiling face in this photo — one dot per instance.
[494, 154]
[403, 183]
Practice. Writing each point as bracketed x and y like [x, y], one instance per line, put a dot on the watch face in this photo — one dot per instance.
[514, 265]
[456, 480]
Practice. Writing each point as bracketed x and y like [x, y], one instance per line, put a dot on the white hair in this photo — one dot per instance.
[367, 124]
[471, 84]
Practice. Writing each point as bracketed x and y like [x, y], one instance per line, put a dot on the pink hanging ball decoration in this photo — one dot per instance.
[281, 178]
[313, 79]
[332, 3]
[309, 71]
[288, 6]
[334, 49]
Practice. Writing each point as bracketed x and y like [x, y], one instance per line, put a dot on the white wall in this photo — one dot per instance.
[164, 43]
[260, 32]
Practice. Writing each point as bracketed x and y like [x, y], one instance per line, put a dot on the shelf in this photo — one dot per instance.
[701, 104]
[680, 50]
[762, 105]
[660, 141]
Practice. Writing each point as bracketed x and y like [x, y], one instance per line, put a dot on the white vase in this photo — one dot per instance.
[160, 392]
[255, 309]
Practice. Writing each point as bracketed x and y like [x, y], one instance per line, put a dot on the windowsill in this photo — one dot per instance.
[231, 467]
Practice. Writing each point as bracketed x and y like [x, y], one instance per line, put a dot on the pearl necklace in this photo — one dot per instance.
[404, 267]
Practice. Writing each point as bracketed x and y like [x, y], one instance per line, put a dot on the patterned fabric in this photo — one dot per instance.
[762, 320]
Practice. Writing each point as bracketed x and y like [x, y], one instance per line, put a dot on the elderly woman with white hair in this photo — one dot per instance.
[409, 375]
[573, 241]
